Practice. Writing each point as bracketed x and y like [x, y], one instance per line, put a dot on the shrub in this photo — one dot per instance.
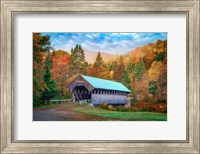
[148, 99]
[104, 105]
[37, 104]
[144, 109]
[150, 107]
[120, 108]
[128, 107]
[162, 107]
[161, 101]
[134, 98]
[111, 108]
[137, 107]
[133, 109]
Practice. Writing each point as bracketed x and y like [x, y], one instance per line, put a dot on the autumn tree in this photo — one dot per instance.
[158, 80]
[120, 70]
[154, 72]
[140, 86]
[41, 45]
[149, 58]
[61, 71]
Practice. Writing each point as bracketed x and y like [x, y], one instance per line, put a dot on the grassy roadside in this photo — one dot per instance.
[48, 106]
[132, 116]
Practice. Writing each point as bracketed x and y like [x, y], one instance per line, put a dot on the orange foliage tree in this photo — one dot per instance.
[60, 70]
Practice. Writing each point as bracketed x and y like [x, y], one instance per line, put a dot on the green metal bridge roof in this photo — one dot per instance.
[98, 83]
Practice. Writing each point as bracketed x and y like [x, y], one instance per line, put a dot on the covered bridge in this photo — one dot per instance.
[98, 90]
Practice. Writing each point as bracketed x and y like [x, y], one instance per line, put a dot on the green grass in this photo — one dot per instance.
[132, 116]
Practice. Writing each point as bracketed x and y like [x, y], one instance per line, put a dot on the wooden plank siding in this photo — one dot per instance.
[109, 99]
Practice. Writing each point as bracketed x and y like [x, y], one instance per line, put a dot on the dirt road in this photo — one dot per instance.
[61, 112]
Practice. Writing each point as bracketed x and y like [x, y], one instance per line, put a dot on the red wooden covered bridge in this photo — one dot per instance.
[98, 90]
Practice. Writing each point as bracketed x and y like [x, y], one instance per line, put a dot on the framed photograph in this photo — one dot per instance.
[99, 76]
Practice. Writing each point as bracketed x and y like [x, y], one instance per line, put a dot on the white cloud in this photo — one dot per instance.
[95, 34]
[61, 36]
[136, 36]
[83, 45]
[71, 42]
[115, 43]
[114, 34]
[125, 34]
[107, 38]
[89, 36]
[58, 41]
[75, 37]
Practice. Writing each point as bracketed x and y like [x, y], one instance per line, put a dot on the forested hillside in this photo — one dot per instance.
[143, 70]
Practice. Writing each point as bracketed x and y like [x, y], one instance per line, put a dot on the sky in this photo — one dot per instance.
[113, 43]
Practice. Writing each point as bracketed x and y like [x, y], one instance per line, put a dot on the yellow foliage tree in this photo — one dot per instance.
[155, 70]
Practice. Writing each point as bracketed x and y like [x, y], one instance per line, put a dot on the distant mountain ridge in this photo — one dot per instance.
[132, 55]
[90, 56]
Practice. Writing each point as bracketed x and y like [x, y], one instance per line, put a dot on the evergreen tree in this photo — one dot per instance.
[127, 77]
[77, 61]
[139, 70]
[50, 89]
[74, 56]
[99, 61]
[81, 58]
[153, 88]
[113, 66]
[130, 67]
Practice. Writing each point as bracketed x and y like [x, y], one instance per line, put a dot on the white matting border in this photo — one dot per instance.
[173, 129]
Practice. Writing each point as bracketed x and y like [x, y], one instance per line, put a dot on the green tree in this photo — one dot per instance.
[74, 56]
[112, 66]
[127, 77]
[77, 61]
[99, 61]
[153, 88]
[160, 56]
[50, 89]
[139, 69]
[82, 60]
[130, 67]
